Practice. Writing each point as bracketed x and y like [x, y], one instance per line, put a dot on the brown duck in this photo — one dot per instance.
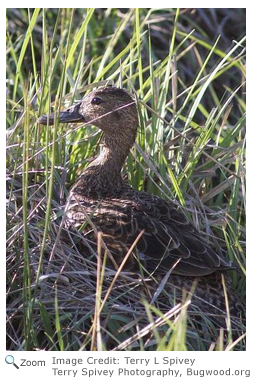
[122, 213]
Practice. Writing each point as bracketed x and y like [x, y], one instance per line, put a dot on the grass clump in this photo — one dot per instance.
[190, 83]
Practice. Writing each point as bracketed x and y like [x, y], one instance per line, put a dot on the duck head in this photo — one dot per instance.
[110, 109]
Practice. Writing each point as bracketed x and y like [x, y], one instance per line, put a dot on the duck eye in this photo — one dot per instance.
[96, 101]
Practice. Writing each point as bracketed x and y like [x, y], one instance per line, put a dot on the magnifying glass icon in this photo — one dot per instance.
[10, 360]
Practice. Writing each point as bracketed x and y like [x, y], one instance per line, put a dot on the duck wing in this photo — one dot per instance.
[168, 236]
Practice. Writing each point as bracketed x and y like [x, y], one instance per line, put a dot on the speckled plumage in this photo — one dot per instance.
[121, 213]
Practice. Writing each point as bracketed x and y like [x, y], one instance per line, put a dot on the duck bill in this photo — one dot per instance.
[70, 115]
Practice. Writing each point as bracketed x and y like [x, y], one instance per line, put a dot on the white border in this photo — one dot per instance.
[242, 360]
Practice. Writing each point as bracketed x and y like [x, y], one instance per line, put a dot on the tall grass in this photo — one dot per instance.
[190, 146]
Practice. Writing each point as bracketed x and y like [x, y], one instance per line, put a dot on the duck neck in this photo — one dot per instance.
[106, 168]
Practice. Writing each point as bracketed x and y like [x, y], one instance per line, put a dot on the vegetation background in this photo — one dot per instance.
[187, 69]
